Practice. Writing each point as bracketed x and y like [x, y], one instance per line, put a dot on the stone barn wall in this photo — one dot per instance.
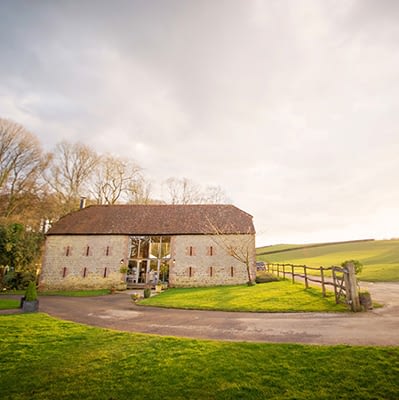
[203, 260]
[83, 262]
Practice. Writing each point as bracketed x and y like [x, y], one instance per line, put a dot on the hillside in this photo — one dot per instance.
[380, 258]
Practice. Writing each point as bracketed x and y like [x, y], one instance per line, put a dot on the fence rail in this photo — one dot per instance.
[343, 279]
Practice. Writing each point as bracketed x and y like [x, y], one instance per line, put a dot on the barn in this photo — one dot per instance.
[106, 246]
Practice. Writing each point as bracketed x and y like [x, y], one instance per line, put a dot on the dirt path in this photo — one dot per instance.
[376, 327]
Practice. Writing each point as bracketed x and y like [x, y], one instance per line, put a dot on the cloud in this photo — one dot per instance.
[291, 107]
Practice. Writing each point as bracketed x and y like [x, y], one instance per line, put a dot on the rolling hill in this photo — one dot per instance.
[380, 258]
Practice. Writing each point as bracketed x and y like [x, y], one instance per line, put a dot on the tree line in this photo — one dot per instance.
[38, 187]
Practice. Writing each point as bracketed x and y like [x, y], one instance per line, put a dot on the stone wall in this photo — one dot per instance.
[204, 260]
[94, 261]
[83, 262]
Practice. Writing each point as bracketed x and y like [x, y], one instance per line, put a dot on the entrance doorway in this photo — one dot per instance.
[149, 260]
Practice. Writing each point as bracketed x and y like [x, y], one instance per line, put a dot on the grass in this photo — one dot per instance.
[380, 258]
[8, 304]
[46, 358]
[282, 296]
[69, 293]
[75, 293]
[12, 291]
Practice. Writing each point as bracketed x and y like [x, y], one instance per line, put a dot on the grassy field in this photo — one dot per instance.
[380, 258]
[46, 358]
[280, 296]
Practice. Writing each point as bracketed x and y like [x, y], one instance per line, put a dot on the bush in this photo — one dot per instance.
[265, 277]
[147, 293]
[123, 269]
[18, 280]
[358, 265]
[31, 293]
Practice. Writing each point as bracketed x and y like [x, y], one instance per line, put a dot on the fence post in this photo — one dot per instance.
[284, 271]
[351, 288]
[278, 270]
[335, 285]
[305, 272]
[293, 273]
[323, 286]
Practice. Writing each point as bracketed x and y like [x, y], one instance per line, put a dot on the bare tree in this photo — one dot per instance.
[114, 179]
[69, 175]
[214, 195]
[22, 162]
[140, 192]
[185, 191]
[182, 191]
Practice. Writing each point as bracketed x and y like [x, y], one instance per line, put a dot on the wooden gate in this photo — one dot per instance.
[339, 280]
[343, 280]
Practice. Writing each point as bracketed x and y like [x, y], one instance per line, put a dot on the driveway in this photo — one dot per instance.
[376, 327]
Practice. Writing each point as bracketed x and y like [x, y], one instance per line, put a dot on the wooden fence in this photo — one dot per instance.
[343, 280]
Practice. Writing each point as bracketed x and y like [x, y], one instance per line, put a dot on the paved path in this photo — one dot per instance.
[376, 327]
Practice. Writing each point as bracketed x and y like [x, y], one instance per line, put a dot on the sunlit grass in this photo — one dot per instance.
[282, 296]
[45, 358]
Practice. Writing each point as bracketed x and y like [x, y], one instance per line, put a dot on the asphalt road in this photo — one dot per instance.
[376, 327]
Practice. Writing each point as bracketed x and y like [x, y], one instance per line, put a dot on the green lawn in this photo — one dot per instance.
[7, 304]
[46, 358]
[380, 258]
[282, 296]
[75, 293]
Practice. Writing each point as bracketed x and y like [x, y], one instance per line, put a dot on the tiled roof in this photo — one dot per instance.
[155, 220]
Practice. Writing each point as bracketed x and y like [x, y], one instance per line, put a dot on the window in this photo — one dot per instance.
[231, 271]
[105, 272]
[64, 272]
[153, 252]
[107, 251]
[87, 251]
[68, 251]
[211, 271]
[211, 251]
[190, 272]
[190, 251]
[84, 272]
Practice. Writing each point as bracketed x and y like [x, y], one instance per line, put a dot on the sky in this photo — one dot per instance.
[290, 106]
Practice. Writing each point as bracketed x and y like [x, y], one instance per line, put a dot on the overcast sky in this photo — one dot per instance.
[292, 107]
